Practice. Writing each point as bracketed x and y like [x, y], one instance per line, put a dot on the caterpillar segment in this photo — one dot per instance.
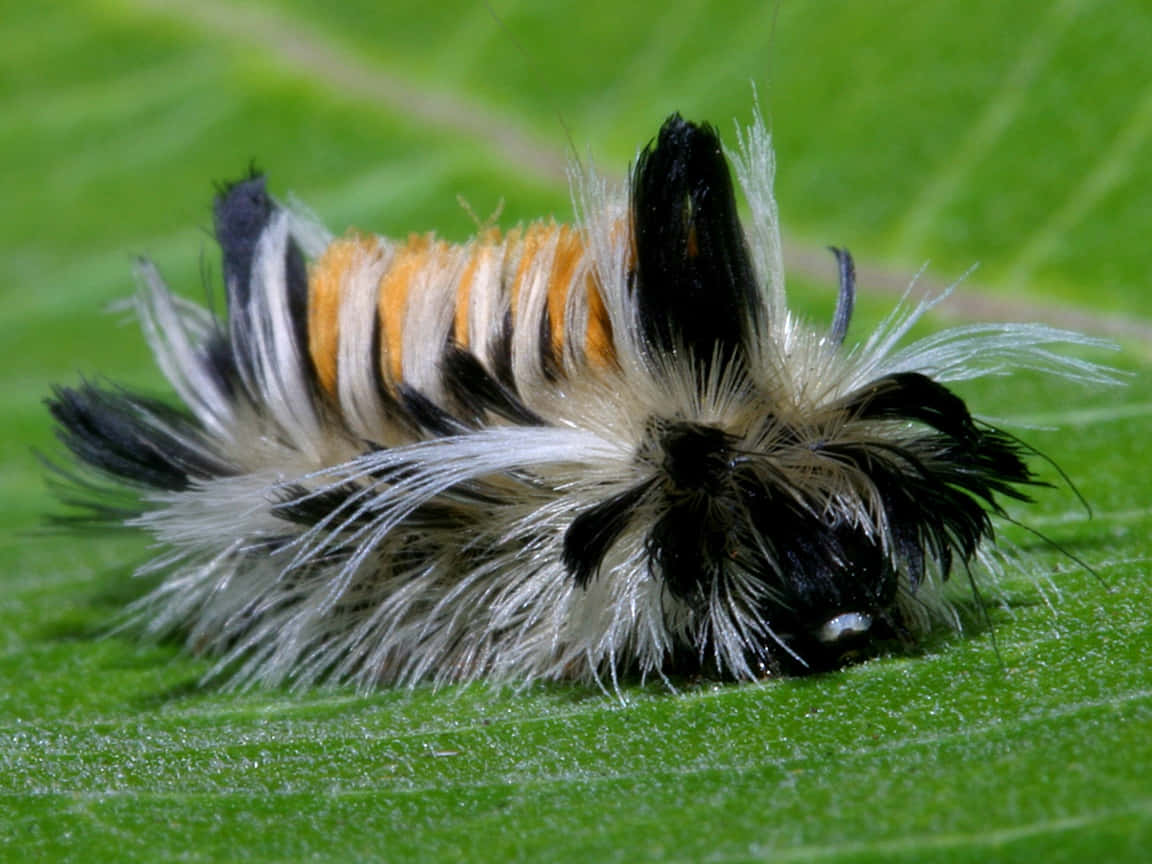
[430, 294]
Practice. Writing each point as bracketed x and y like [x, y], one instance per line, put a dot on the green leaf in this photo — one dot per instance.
[1019, 136]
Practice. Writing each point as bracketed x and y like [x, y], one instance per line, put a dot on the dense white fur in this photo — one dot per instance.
[342, 601]
[360, 403]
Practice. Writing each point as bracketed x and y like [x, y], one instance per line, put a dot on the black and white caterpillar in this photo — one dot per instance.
[553, 453]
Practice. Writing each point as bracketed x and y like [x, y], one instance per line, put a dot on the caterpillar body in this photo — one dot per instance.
[563, 452]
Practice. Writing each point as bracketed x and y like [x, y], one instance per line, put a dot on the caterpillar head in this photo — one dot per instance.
[796, 542]
[802, 519]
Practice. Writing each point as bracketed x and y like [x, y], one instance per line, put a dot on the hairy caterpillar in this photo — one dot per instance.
[557, 452]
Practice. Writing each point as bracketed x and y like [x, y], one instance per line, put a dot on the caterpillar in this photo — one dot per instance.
[561, 452]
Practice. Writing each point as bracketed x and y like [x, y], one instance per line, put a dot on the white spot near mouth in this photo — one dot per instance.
[844, 627]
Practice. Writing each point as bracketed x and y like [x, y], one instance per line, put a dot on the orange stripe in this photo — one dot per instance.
[325, 293]
[519, 250]
[392, 300]
[484, 246]
[566, 259]
[598, 345]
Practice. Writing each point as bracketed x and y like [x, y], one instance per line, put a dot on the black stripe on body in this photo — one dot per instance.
[477, 392]
[135, 439]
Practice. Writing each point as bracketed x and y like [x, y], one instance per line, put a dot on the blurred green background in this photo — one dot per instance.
[1017, 136]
